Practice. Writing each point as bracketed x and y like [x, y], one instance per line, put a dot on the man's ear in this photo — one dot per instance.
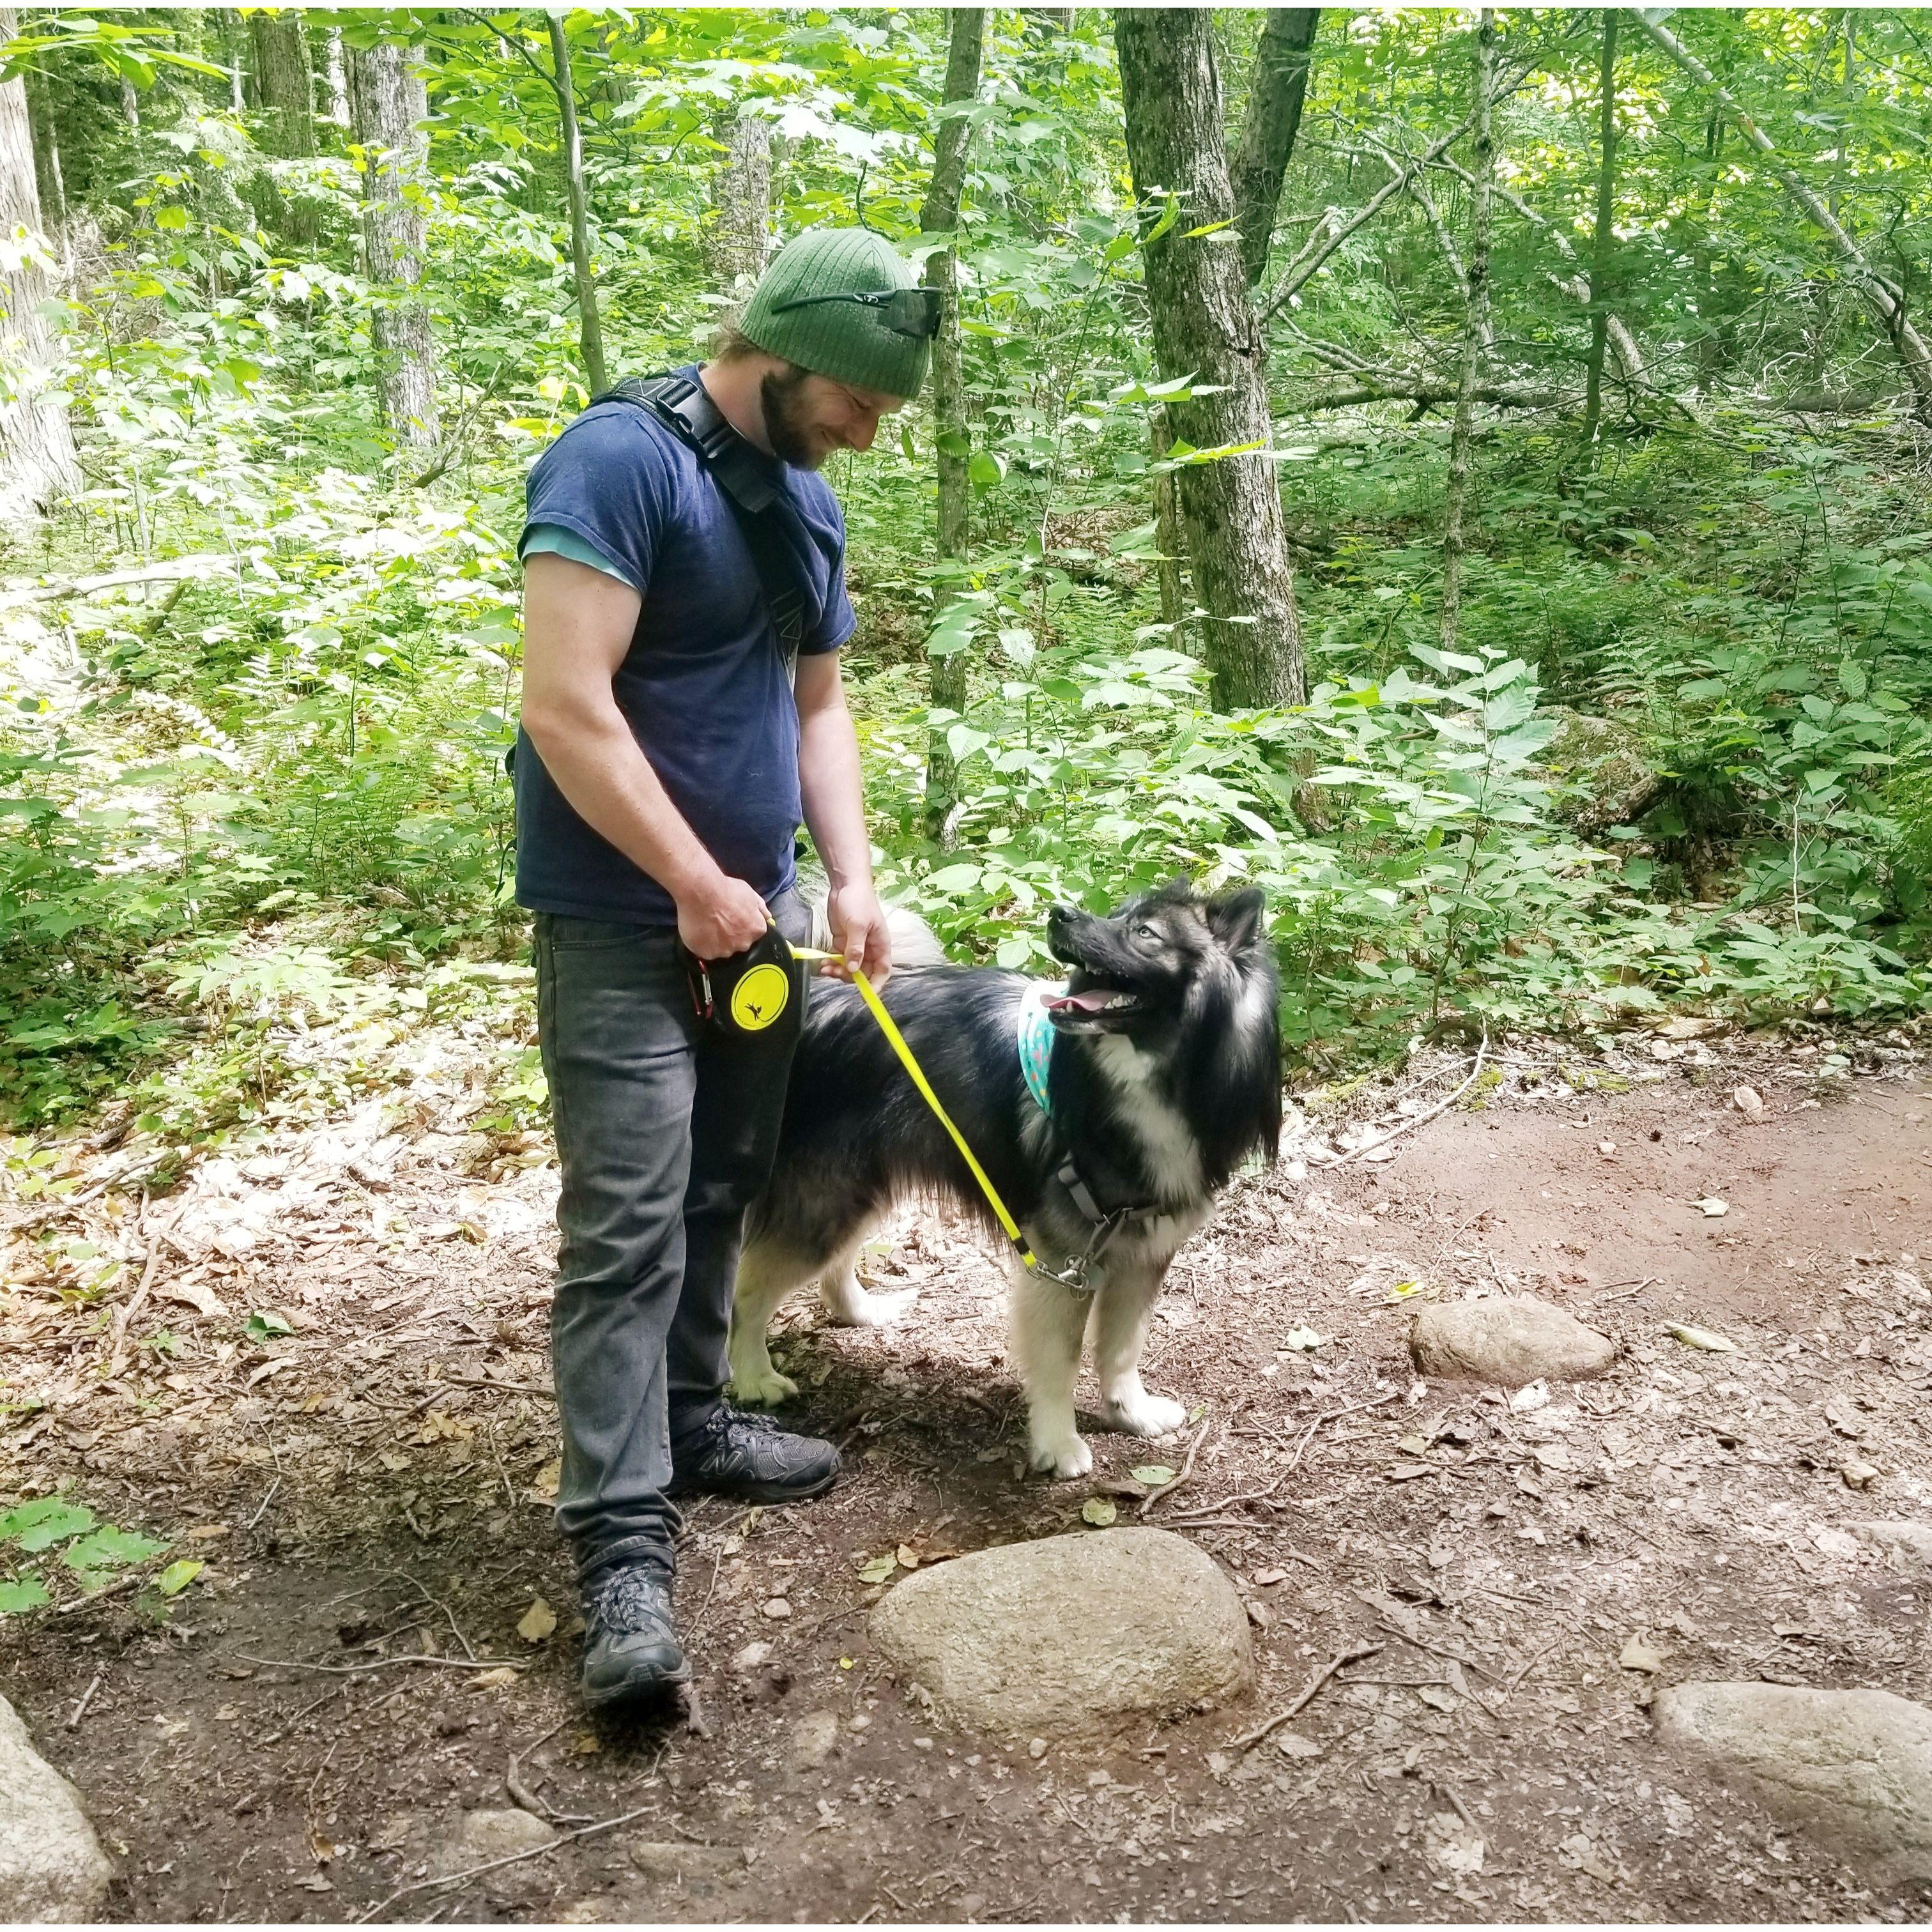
[1236, 921]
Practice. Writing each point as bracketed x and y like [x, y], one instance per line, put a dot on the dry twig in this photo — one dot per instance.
[1310, 1690]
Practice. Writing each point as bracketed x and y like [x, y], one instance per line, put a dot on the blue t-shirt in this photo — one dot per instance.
[704, 687]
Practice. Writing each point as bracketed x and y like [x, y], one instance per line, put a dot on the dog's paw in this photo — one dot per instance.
[761, 1388]
[1145, 1415]
[1062, 1461]
[856, 1307]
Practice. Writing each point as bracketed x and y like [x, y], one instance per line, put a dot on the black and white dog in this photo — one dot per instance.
[1162, 1075]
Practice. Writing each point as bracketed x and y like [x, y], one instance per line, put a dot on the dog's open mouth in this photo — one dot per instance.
[1092, 1003]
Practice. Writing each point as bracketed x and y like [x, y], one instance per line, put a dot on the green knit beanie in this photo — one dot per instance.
[843, 340]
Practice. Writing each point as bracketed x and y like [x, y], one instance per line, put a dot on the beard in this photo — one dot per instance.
[786, 429]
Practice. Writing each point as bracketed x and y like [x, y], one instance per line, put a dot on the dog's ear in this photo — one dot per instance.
[1236, 920]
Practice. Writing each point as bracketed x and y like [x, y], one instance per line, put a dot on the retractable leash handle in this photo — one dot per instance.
[1075, 1275]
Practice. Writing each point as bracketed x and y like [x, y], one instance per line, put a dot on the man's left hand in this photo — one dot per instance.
[858, 922]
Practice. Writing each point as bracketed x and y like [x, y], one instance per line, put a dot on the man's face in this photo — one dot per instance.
[808, 418]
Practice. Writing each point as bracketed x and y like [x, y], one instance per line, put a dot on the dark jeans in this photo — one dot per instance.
[664, 1139]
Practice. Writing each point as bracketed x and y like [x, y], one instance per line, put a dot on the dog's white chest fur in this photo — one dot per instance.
[1172, 1153]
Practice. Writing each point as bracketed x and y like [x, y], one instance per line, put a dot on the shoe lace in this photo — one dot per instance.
[636, 1597]
[723, 1423]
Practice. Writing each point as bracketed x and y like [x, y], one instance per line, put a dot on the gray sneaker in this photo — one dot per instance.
[631, 1650]
[752, 1459]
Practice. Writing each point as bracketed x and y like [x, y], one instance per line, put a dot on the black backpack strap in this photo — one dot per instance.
[761, 509]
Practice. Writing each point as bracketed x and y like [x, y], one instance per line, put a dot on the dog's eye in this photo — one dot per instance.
[1150, 934]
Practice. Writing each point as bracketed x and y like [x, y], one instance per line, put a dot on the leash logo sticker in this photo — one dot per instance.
[761, 997]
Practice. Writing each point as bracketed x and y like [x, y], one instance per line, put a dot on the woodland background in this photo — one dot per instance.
[1464, 472]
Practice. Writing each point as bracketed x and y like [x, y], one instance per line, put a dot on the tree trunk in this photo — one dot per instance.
[389, 102]
[282, 83]
[1204, 326]
[1168, 534]
[338, 73]
[1887, 298]
[37, 462]
[230, 24]
[940, 215]
[1476, 341]
[740, 232]
[52, 183]
[1605, 238]
[1275, 95]
[590, 319]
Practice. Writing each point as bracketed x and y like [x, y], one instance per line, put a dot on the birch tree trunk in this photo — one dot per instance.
[229, 22]
[338, 73]
[740, 235]
[37, 460]
[590, 317]
[1605, 237]
[52, 183]
[1204, 326]
[1275, 93]
[389, 102]
[1887, 299]
[1476, 341]
[1168, 535]
[940, 215]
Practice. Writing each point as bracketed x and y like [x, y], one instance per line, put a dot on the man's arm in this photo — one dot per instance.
[828, 782]
[577, 627]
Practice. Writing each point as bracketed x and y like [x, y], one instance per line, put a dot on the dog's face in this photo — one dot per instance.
[1132, 971]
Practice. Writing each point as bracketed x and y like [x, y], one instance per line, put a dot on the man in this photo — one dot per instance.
[662, 769]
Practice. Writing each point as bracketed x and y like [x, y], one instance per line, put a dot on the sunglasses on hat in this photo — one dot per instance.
[913, 312]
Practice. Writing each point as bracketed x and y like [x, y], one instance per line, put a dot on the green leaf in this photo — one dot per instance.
[109, 1549]
[1156, 1475]
[26, 1593]
[264, 1322]
[877, 1569]
[41, 1525]
[1099, 1511]
[177, 1576]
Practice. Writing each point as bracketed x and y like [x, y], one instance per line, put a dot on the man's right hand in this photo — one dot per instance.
[721, 917]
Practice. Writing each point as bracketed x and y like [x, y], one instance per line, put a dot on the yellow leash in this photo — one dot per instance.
[896, 1041]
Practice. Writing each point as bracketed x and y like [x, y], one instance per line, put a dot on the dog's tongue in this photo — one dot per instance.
[1093, 1000]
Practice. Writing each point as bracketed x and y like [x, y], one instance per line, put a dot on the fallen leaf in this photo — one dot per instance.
[1708, 1339]
[1835, 1542]
[544, 1484]
[177, 1576]
[1156, 1475]
[1437, 1696]
[1711, 1207]
[877, 1569]
[1578, 1852]
[1407, 1472]
[1413, 1445]
[538, 1622]
[1266, 1578]
[1532, 1395]
[1639, 1654]
[1552, 1456]
[494, 1680]
[1687, 1026]
[1292, 1743]
[1305, 1339]
[908, 1557]
[1097, 1511]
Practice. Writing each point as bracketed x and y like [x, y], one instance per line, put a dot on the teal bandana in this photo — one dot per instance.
[1035, 1032]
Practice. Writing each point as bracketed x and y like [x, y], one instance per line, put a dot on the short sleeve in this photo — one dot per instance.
[610, 481]
[836, 621]
[552, 540]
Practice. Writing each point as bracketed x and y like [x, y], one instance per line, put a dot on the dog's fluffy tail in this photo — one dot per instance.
[913, 943]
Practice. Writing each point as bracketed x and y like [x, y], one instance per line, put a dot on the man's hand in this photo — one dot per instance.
[858, 922]
[720, 917]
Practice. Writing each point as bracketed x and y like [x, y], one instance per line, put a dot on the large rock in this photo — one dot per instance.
[1853, 1768]
[52, 1867]
[1070, 1634]
[1510, 1338]
[484, 1836]
[1907, 1546]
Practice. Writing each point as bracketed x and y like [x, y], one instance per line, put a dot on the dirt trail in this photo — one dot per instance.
[370, 1487]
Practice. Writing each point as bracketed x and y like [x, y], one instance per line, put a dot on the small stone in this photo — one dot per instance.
[52, 1867]
[1853, 1768]
[814, 1738]
[1907, 1546]
[1858, 1475]
[1509, 1339]
[1070, 1634]
[482, 1836]
[748, 1659]
[1748, 1101]
[775, 1608]
[1036, 1748]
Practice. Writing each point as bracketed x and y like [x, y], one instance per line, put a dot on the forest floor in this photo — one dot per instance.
[305, 1734]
